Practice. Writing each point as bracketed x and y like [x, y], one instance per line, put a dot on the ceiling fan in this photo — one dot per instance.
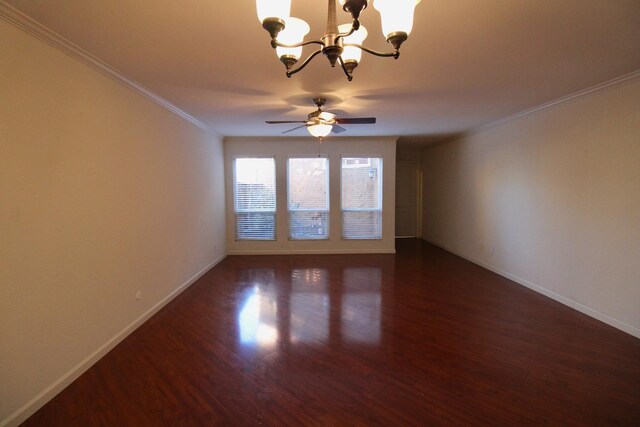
[322, 123]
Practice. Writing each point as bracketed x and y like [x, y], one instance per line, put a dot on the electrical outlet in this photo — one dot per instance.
[138, 295]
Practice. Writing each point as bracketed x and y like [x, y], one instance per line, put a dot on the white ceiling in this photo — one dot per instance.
[467, 62]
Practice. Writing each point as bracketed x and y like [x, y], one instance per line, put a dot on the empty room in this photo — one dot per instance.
[328, 213]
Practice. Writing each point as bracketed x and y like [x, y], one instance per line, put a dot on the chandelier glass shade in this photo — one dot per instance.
[340, 44]
[396, 15]
[273, 8]
[294, 31]
[352, 53]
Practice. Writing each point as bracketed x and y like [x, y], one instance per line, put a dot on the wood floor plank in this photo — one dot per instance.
[418, 338]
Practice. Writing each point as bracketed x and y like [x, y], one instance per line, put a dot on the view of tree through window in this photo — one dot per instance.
[254, 182]
[361, 194]
[308, 184]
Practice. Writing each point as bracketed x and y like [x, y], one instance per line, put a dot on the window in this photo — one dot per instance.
[361, 186]
[254, 185]
[308, 184]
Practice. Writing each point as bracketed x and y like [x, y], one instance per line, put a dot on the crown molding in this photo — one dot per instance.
[36, 29]
[558, 101]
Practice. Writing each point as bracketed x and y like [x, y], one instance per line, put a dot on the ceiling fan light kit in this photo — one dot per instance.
[340, 44]
[320, 130]
[321, 123]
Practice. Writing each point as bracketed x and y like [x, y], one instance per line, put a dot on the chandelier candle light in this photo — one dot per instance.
[340, 44]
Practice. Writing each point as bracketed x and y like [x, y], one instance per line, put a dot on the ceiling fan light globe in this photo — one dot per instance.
[280, 9]
[396, 15]
[294, 31]
[352, 53]
[320, 130]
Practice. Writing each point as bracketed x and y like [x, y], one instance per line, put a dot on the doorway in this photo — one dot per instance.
[407, 198]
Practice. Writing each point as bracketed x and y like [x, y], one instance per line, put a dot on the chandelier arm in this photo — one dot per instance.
[354, 27]
[344, 68]
[275, 43]
[395, 54]
[304, 64]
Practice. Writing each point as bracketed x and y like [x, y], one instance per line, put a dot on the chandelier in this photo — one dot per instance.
[340, 44]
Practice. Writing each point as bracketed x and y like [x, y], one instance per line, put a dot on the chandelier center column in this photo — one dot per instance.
[333, 46]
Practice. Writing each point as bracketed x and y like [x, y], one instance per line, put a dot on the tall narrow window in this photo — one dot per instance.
[254, 185]
[308, 183]
[361, 186]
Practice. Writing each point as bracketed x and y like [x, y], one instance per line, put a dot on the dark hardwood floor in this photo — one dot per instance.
[419, 338]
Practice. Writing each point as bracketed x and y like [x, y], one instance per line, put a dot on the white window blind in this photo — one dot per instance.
[361, 195]
[254, 182]
[308, 184]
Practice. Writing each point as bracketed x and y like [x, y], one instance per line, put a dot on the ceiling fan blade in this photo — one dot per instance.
[357, 121]
[296, 128]
[337, 129]
[275, 122]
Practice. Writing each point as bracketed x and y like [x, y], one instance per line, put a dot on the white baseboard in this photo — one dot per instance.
[314, 252]
[29, 408]
[631, 330]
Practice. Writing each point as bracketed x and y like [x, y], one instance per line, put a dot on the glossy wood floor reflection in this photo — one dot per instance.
[419, 338]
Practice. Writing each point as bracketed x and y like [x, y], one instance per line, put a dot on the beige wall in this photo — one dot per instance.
[334, 148]
[551, 200]
[103, 193]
